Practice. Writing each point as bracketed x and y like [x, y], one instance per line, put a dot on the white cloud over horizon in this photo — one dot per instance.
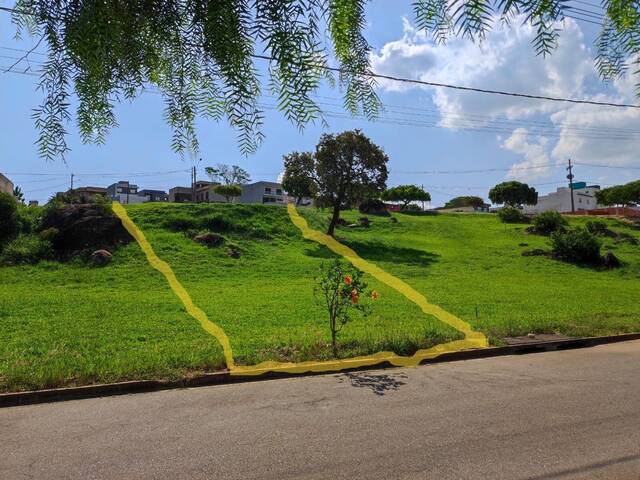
[505, 61]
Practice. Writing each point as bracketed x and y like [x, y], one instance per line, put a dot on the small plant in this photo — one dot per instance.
[549, 222]
[597, 227]
[342, 292]
[578, 246]
[26, 249]
[512, 215]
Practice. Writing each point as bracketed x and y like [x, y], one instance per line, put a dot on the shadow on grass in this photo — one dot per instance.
[379, 384]
[382, 252]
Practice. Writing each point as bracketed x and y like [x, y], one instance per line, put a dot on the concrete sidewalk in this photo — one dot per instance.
[557, 415]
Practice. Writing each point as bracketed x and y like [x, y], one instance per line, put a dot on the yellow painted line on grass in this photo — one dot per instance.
[176, 286]
[472, 339]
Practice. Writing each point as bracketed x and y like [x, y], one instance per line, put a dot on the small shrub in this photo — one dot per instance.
[9, 221]
[578, 246]
[180, 223]
[547, 223]
[26, 249]
[512, 215]
[373, 206]
[597, 227]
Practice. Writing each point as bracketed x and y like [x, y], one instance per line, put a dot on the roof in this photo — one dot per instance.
[90, 189]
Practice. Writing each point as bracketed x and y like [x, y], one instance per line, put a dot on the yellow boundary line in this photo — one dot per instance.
[472, 338]
[176, 286]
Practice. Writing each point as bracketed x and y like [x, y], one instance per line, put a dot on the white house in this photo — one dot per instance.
[584, 198]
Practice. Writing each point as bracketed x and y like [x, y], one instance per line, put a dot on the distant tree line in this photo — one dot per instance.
[623, 195]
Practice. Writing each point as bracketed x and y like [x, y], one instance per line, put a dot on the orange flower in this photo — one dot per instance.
[354, 296]
[374, 295]
[347, 279]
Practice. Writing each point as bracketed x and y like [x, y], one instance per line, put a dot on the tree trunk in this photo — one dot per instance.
[298, 201]
[334, 346]
[334, 220]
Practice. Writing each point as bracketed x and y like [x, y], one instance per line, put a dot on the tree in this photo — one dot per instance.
[9, 221]
[465, 201]
[201, 55]
[624, 195]
[228, 191]
[228, 174]
[17, 192]
[514, 194]
[298, 178]
[406, 194]
[348, 168]
[343, 291]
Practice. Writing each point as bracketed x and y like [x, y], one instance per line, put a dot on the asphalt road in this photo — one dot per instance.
[559, 415]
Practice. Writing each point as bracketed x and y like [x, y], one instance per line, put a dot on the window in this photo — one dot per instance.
[278, 191]
[267, 190]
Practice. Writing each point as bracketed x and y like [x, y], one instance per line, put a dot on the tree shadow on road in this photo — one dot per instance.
[380, 384]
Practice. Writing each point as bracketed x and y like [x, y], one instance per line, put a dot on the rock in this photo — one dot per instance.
[609, 260]
[83, 228]
[531, 335]
[393, 219]
[234, 252]
[100, 258]
[209, 239]
[364, 222]
[353, 225]
[536, 252]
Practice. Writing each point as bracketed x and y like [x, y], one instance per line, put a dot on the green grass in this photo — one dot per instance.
[463, 262]
[67, 324]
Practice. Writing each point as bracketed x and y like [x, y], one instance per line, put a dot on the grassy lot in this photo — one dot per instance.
[463, 262]
[64, 324]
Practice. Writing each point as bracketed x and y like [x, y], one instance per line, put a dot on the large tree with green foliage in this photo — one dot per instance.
[465, 201]
[513, 194]
[348, 168]
[298, 179]
[626, 194]
[202, 55]
[405, 194]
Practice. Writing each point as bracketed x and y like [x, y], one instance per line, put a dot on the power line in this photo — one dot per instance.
[438, 84]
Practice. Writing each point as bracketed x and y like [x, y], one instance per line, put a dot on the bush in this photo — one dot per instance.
[512, 215]
[26, 249]
[373, 206]
[577, 246]
[9, 221]
[547, 223]
[597, 227]
[217, 223]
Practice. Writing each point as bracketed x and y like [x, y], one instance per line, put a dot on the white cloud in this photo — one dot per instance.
[505, 61]
[536, 162]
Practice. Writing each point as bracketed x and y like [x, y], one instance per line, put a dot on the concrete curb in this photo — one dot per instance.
[223, 377]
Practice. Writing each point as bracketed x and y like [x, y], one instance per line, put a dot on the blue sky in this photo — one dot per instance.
[470, 131]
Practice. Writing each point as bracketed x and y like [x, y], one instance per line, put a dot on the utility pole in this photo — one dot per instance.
[570, 177]
[72, 181]
[193, 184]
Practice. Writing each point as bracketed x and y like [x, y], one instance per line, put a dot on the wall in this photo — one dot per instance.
[6, 185]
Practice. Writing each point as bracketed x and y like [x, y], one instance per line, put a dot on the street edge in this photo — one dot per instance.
[14, 399]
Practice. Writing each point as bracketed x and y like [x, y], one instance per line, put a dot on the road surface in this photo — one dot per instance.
[558, 415]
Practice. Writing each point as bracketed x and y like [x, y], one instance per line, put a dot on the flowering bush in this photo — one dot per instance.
[342, 292]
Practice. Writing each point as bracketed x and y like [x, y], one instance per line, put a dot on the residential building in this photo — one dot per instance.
[181, 194]
[89, 194]
[205, 192]
[6, 185]
[263, 192]
[584, 198]
[155, 195]
[125, 192]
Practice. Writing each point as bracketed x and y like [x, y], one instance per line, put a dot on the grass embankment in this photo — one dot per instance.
[461, 262]
[66, 324]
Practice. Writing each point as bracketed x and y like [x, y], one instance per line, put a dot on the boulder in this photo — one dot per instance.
[209, 239]
[83, 228]
[100, 258]
[234, 252]
[393, 219]
[364, 222]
